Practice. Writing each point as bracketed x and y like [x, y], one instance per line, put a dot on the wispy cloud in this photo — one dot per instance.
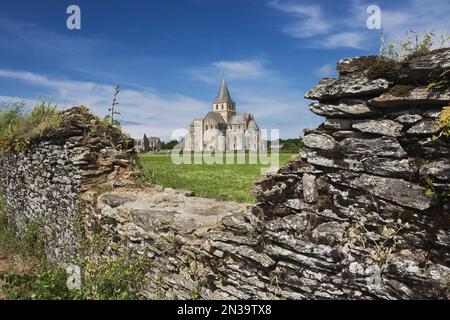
[252, 69]
[346, 28]
[142, 111]
[353, 40]
[307, 20]
[9, 100]
[259, 90]
[324, 71]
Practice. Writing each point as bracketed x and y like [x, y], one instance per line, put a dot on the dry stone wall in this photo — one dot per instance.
[43, 184]
[361, 180]
[361, 213]
[347, 219]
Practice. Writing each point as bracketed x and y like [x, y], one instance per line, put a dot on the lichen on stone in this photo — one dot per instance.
[400, 90]
[384, 69]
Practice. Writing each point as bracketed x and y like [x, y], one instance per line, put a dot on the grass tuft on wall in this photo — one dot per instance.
[18, 128]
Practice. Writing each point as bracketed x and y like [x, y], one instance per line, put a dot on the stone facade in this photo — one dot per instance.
[223, 130]
[151, 144]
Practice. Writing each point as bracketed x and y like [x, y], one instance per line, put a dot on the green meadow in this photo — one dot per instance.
[219, 181]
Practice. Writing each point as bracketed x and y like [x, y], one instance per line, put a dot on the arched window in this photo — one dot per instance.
[206, 128]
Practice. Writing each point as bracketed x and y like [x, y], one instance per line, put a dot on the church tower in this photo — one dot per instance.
[223, 104]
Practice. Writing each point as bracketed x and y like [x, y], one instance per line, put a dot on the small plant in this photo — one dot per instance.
[171, 239]
[49, 284]
[8, 241]
[431, 190]
[114, 278]
[443, 124]
[159, 283]
[113, 107]
[274, 286]
[147, 175]
[379, 247]
[197, 278]
[33, 242]
[438, 85]
[413, 45]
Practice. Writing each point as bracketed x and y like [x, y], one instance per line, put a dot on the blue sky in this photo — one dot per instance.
[169, 56]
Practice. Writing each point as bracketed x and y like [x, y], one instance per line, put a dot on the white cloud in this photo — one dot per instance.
[8, 100]
[274, 103]
[354, 40]
[309, 19]
[319, 27]
[251, 69]
[144, 111]
[260, 91]
[242, 69]
[420, 16]
[326, 70]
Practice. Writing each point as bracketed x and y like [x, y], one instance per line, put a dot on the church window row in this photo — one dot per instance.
[212, 127]
[222, 107]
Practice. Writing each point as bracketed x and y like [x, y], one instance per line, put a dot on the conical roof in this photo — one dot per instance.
[224, 95]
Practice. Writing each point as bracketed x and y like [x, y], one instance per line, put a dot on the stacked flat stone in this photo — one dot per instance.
[350, 218]
[364, 174]
[45, 183]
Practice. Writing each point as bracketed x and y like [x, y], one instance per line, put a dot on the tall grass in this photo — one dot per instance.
[18, 128]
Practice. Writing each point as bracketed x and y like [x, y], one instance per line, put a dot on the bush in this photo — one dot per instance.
[48, 284]
[114, 278]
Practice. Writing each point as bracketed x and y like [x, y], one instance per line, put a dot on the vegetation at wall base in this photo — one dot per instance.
[27, 274]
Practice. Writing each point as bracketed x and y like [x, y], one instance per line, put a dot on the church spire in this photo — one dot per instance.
[224, 95]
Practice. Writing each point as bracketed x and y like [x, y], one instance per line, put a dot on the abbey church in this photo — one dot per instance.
[223, 130]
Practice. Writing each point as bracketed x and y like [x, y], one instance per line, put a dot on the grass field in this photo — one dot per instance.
[218, 181]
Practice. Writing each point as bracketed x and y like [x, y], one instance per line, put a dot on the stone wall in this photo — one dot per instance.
[44, 183]
[362, 213]
[360, 185]
[348, 219]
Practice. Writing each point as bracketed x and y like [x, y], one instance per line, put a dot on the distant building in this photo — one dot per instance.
[145, 144]
[222, 129]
